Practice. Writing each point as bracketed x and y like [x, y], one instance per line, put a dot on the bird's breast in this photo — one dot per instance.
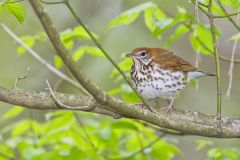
[154, 82]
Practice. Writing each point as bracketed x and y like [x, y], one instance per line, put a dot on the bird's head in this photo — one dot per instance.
[142, 55]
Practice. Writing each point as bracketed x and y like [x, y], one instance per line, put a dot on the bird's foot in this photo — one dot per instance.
[141, 105]
[168, 109]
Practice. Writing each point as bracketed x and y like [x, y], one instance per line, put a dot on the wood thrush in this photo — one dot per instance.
[159, 73]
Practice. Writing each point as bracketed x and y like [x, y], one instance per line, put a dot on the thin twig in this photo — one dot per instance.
[228, 59]
[197, 60]
[21, 77]
[162, 130]
[196, 10]
[201, 5]
[230, 71]
[143, 155]
[78, 19]
[87, 136]
[229, 18]
[63, 106]
[34, 136]
[140, 150]
[228, 15]
[41, 60]
[57, 2]
[215, 48]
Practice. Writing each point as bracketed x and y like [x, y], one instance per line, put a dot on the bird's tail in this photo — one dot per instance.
[199, 74]
[210, 74]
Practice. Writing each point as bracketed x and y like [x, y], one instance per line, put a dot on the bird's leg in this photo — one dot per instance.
[170, 106]
[140, 105]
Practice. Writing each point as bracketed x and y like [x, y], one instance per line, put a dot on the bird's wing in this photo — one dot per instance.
[168, 60]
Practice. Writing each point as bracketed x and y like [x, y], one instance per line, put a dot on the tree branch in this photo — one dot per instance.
[217, 64]
[227, 15]
[186, 122]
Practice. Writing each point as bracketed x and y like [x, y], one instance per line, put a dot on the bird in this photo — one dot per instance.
[159, 73]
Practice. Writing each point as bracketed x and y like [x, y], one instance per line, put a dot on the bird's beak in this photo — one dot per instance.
[129, 55]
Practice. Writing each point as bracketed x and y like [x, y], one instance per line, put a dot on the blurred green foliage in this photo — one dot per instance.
[67, 135]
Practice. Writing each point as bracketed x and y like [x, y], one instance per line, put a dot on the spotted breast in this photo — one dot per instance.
[152, 81]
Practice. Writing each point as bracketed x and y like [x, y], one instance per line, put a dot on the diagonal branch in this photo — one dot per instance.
[186, 122]
[53, 35]
[228, 15]
[78, 19]
[41, 60]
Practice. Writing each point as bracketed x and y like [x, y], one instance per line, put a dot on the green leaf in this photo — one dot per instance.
[181, 10]
[124, 65]
[162, 25]
[15, 9]
[166, 151]
[78, 53]
[75, 33]
[20, 128]
[115, 91]
[233, 3]
[235, 37]
[1, 10]
[68, 36]
[13, 112]
[180, 31]
[130, 15]
[151, 15]
[104, 133]
[126, 92]
[94, 51]
[196, 45]
[193, 83]
[80, 32]
[223, 154]
[41, 36]
[58, 62]
[29, 41]
[216, 9]
[204, 34]
[202, 144]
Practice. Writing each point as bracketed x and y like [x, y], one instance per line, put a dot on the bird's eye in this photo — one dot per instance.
[143, 53]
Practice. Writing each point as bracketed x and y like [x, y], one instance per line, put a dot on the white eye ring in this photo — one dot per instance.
[143, 53]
